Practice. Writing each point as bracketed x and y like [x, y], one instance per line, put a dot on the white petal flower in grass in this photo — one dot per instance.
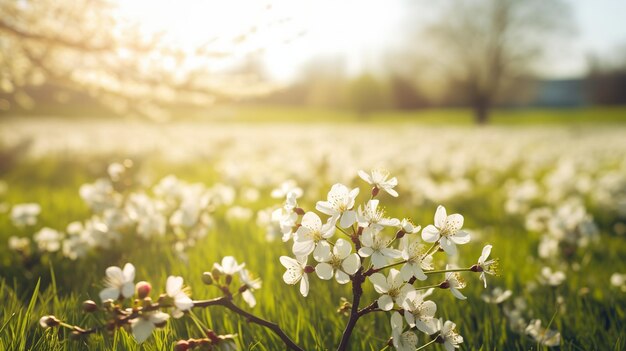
[548, 277]
[454, 282]
[378, 178]
[310, 233]
[339, 205]
[376, 246]
[174, 289]
[120, 283]
[296, 273]
[251, 284]
[486, 266]
[229, 266]
[143, 325]
[420, 313]
[340, 262]
[448, 229]
[392, 288]
[544, 336]
[450, 338]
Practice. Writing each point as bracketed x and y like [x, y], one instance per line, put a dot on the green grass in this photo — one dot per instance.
[591, 321]
[459, 116]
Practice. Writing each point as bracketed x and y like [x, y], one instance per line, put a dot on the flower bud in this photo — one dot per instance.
[476, 268]
[89, 306]
[49, 321]
[181, 345]
[298, 211]
[444, 285]
[229, 279]
[215, 273]
[243, 288]
[400, 234]
[375, 191]
[143, 289]
[207, 278]
[309, 269]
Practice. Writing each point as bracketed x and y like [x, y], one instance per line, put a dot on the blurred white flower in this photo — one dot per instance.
[339, 205]
[286, 187]
[378, 178]
[100, 195]
[497, 296]
[19, 244]
[547, 277]
[120, 283]
[48, 239]
[25, 214]
[340, 261]
[143, 325]
[229, 266]
[619, 280]
[448, 229]
[115, 171]
[251, 284]
[174, 289]
[544, 336]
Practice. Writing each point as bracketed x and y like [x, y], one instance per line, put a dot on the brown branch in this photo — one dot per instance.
[357, 290]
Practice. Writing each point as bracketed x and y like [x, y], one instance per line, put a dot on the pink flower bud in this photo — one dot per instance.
[143, 289]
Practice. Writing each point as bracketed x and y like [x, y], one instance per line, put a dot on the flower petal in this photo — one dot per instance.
[461, 237]
[173, 285]
[430, 234]
[385, 302]
[109, 293]
[304, 285]
[342, 248]
[347, 219]
[448, 246]
[380, 283]
[440, 216]
[341, 277]
[142, 329]
[324, 271]
[351, 264]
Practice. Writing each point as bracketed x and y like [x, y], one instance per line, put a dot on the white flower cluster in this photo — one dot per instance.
[359, 241]
[128, 305]
[176, 212]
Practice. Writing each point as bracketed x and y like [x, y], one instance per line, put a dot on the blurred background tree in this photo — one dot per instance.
[80, 49]
[489, 44]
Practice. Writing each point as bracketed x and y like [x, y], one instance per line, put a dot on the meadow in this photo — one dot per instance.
[549, 195]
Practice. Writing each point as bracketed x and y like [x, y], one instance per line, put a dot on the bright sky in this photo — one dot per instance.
[359, 32]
